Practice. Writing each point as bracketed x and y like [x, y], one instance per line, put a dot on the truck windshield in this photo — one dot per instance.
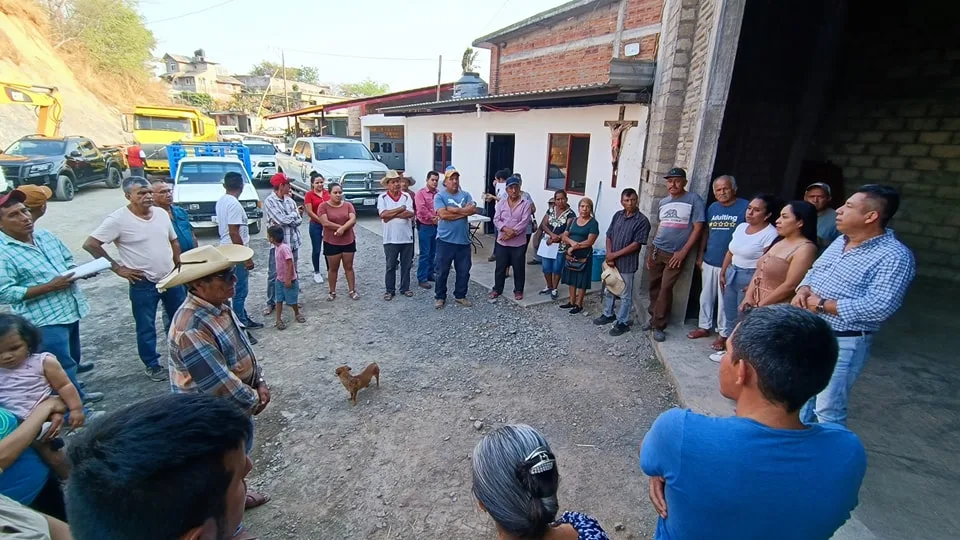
[341, 150]
[35, 147]
[261, 149]
[207, 173]
[156, 123]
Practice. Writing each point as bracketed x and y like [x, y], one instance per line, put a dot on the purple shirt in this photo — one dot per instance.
[515, 218]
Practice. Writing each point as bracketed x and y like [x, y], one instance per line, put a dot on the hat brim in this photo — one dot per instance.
[194, 266]
[612, 280]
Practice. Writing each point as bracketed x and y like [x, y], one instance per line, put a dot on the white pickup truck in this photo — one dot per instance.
[198, 185]
[347, 162]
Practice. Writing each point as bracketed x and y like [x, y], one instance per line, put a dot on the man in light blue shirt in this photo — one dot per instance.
[762, 473]
[453, 206]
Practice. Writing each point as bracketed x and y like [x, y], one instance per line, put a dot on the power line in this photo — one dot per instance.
[505, 2]
[182, 15]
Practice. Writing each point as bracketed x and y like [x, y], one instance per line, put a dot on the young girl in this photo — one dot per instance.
[288, 287]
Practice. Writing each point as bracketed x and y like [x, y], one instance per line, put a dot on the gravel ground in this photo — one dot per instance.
[398, 464]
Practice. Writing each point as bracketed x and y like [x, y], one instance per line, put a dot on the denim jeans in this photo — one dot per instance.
[738, 279]
[144, 298]
[509, 257]
[459, 255]
[272, 273]
[63, 341]
[240, 292]
[316, 247]
[626, 301]
[402, 255]
[830, 405]
[428, 252]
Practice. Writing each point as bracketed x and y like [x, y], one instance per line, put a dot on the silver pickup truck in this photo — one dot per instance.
[345, 161]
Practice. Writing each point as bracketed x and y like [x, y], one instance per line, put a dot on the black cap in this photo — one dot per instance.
[676, 172]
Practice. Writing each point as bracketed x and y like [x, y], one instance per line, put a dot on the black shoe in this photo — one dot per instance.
[533, 262]
[659, 335]
[92, 397]
[604, 319]
[84, 367]
[156, 373]
[251, 325]
[568, 305]
[619, 329]
[575, 310]
[251, 339]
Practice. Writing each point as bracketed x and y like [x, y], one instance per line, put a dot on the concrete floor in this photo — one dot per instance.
[905, 407]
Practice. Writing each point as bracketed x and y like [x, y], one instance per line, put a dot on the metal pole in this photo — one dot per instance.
[286, 96]
[439, 71]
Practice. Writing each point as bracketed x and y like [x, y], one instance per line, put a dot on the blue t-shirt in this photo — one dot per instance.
[24, 479]
[181, 225]
[456, 231]
[721, 221]
[736, 478]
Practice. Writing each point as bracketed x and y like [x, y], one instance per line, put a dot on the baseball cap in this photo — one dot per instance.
[35, 196]
[15, 195]
[676, 172]
[513, 181]
[279, 179]
[820, 185]
[450, 172]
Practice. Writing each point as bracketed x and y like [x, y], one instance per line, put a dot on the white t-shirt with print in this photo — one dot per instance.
[143, 244]
[397, 230]
[748, 248]
[231, 212]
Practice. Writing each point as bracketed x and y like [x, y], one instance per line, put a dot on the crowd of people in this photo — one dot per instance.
[768, 269]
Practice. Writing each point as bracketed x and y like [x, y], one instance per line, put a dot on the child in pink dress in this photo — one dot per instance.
[287, 289]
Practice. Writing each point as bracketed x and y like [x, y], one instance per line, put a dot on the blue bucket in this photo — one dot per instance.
[598, 257]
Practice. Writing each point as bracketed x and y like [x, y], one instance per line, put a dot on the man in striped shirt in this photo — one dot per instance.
[628, 231]
[856, 284]
[281, 210]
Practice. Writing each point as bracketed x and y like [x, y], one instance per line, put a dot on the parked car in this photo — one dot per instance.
[61, 163]
[198, 182]
[229, 134]
[344, 161]
[263, 159]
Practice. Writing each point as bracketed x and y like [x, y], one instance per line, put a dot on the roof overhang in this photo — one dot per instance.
[575, 96]
[371, 100]
[543, 19]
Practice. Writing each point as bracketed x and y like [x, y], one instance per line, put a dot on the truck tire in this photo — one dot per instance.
[114, 177]
[65, 188]
[255, 227]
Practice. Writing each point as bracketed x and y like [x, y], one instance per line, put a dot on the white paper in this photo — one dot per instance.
[93, 267]
[548, 252]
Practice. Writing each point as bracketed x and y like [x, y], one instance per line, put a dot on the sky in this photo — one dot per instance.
[397, 42]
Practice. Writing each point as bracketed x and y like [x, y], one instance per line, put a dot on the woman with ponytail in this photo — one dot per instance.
[515, 480]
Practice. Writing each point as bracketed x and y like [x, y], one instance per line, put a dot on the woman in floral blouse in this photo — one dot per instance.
[554, 224]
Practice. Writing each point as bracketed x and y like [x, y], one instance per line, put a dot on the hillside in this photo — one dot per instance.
[26, 56]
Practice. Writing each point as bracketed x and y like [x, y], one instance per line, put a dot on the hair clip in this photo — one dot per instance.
[545, 461]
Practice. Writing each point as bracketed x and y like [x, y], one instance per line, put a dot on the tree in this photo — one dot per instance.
[197, 99]
[304, 74]
[469, 59]
[364, 88]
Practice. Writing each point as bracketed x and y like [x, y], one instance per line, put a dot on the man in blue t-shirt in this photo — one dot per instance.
[761, 473]
[453, 206]
[723, 216]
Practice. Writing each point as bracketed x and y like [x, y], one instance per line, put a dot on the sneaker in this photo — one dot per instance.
[619, 329]
[251, 325]
[464, 302]
[546, 290]
[568, 305]
[491, 258]
[92, 397]
[717, 356]
[604, 319]
[156, 373]
[533, 262]
[575, 310]
[554, 294]
[659, 335]
[318, 277]
[84, 367]
[518, 296]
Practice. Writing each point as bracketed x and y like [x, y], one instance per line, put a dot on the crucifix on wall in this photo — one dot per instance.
[618, 128]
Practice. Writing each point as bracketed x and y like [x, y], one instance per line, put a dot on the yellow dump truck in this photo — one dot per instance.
[156, 126]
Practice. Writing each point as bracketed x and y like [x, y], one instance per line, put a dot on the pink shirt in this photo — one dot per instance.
[515, 218]
[423, 202]
[284, 259]
[24, 386]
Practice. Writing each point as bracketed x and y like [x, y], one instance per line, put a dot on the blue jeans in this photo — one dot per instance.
[459, 255]
[63, 341]
[428, 252]
[316, 246]
[272, 274]
[830, 405]
[144, 298]
[626, 301]
[240, 292]
[738, 279]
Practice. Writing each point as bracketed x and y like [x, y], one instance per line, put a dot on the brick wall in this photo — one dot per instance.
[554, 56]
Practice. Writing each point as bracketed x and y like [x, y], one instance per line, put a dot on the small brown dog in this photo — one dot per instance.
[354, 384]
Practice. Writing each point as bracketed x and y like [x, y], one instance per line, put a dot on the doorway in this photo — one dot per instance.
[500, 148]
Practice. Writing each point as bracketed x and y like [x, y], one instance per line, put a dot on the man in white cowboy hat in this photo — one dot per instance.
[209, 352]
[396, 213]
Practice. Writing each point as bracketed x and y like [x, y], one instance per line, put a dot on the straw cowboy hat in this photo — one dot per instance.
[612, 280]
[391, 174]
[205, 261]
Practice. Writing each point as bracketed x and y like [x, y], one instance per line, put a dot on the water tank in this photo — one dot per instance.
[470, 85]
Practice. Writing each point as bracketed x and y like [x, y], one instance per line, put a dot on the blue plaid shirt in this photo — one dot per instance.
[868, 282]
[24, 265]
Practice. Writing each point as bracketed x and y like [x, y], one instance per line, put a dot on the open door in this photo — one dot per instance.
[500, 149]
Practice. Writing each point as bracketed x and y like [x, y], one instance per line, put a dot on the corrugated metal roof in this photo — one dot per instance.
[228, 79]
[504, 97]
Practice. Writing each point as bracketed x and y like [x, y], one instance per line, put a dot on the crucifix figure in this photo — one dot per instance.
[617, 128]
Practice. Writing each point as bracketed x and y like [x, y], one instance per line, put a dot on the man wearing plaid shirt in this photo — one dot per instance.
[280, 209]
[32, 264]
[856, 284]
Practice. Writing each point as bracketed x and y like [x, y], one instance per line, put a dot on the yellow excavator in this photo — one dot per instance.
[46, 99]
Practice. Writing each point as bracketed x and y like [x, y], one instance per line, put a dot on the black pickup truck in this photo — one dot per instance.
[61, 163]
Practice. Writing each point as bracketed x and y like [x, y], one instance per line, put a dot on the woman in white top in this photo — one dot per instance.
[750, 240]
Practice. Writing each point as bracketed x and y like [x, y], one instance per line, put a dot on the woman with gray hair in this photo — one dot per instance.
[515, 480]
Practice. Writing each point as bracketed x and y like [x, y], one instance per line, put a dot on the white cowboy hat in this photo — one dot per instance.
[612, 280]
[205, 261]
[391, 174]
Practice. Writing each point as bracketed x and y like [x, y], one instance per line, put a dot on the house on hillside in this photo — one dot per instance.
[199, 74]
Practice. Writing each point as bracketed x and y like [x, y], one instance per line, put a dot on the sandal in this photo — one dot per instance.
[255, 499]
[698, 333]
[408, 294]
[387, 297]
[353, 295]
[331, 297]
[268, 310]
[280, 325]
[300, 318]
[719, 344]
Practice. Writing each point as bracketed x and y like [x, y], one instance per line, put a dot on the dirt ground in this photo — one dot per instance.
[398, 464]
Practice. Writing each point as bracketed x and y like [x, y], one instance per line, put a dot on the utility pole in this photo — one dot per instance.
[286, 96]
[439, 71]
